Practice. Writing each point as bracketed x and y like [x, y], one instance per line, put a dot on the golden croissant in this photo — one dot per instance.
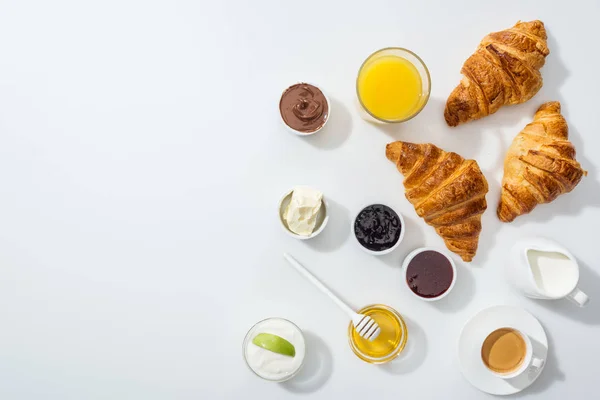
[447, 191]
[504, 70]
[540, 164]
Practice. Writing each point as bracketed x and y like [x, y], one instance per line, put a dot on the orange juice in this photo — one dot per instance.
[390, 87]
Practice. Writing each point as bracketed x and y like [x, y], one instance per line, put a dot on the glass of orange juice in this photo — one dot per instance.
[393, 85]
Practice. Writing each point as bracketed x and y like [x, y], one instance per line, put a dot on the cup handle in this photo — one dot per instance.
[537, 362]
[578, 297]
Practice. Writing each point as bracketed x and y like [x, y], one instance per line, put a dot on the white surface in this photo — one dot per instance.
[478, 328]
[366, 326]
[129, 132]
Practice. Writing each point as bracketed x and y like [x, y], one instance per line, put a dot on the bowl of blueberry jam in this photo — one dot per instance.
[378, 229]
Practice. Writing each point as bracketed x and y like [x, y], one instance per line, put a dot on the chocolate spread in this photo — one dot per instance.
[304, 107]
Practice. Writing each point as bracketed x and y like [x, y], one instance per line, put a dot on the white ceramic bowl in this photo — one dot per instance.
[386, 251]
[300, 133]
[412, 255]
[322, 217]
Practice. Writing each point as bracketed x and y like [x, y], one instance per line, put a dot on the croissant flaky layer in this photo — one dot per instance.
[504, 70]
[447, 191]
[540, 164]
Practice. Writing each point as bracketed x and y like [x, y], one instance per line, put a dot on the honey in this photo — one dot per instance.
[389, 343]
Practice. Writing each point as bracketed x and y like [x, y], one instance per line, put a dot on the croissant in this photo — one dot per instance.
[504, 70]
[540, 164]
[447, 191]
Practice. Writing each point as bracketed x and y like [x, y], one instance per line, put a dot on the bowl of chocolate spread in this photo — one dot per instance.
[304, 108]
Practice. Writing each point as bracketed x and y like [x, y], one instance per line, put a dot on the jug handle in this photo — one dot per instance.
[537, 362]
[578, 297]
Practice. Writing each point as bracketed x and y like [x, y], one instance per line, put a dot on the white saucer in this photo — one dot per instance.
[477, 329]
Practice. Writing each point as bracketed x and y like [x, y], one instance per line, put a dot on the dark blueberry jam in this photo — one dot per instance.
[377, 227]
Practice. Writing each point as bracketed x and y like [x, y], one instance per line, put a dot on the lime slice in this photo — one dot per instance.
[274, 343]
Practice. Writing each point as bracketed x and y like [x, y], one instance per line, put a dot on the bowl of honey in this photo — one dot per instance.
[390, 342]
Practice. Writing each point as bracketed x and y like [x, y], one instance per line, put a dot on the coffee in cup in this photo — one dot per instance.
[507, 353]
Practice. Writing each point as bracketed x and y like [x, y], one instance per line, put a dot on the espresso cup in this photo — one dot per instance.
[507, 353]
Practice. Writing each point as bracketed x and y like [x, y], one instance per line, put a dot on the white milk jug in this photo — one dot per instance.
[542, 269]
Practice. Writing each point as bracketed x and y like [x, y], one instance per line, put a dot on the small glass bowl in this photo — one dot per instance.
[402, 339]
[248, 338]
[418, 63]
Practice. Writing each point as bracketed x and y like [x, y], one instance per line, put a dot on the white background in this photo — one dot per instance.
[141, 160]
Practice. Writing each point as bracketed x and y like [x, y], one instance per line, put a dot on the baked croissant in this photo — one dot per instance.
[447, 191]
[504, 70]
[540, 164]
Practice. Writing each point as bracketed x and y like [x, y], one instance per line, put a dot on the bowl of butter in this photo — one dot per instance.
[303, 212]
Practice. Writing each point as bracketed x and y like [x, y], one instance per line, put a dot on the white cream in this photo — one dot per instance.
[554, 273]
[270, 365]
[301, 214]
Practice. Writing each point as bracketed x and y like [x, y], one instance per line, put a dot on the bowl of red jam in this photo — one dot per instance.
[429, 273]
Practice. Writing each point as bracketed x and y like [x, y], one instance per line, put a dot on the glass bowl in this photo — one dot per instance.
[390, 342]
[257, 329]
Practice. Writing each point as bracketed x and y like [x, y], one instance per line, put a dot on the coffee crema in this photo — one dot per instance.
[504, 351]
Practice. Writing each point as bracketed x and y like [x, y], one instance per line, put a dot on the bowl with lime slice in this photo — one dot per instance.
[274, 349]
